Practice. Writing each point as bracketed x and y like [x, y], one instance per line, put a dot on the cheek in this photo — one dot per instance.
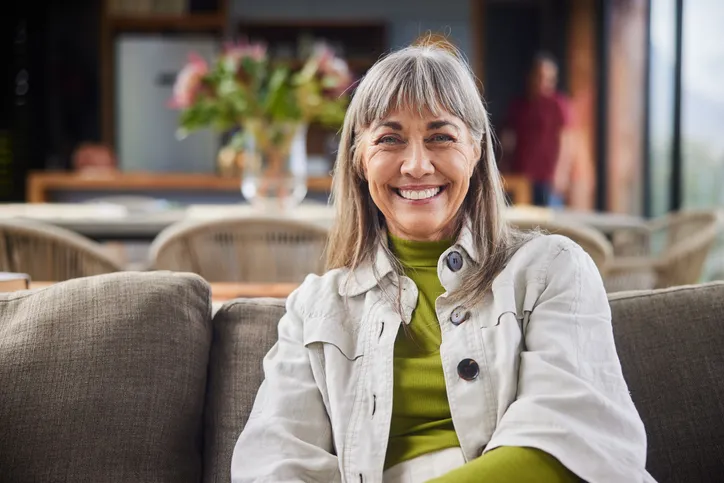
[379, 168]
[458, 166]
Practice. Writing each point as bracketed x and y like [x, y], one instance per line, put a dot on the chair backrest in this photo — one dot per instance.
[50, 253]
[243, 249]
[591, 240]
[689, 238]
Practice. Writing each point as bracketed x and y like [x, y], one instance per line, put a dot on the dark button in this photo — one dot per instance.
[459, 315]
[454, 261]
[468, 369]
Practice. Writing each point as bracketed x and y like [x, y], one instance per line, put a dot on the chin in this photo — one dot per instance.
[422, 229]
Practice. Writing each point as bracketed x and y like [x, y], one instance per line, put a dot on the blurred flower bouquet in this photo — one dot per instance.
[267, 105]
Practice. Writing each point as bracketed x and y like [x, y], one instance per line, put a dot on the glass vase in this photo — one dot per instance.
[275, 164]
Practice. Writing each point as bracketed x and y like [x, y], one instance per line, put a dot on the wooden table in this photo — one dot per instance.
[108, 222]
[605, 222]
[223, 292]
[41, 183]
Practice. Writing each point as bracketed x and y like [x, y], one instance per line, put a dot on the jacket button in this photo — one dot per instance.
[454, 261]
[459, 315]
[468, 369]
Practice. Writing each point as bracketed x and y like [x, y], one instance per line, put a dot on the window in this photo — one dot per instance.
[661, 102]
[702, 108]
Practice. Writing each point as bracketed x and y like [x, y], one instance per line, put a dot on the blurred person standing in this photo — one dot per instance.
[536, 135]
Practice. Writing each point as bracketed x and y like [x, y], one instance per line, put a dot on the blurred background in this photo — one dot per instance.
[633, 108]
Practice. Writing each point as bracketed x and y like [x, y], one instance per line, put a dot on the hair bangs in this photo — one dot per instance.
[427, 83]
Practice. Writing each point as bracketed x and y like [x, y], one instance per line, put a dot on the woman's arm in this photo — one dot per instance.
[288, 437]
[572, 401]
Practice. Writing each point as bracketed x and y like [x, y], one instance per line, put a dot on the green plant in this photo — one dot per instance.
[244, 84]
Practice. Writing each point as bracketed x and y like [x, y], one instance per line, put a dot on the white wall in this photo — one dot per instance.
[407, 19]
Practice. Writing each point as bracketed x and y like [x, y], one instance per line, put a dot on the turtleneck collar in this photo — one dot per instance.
[417, 254]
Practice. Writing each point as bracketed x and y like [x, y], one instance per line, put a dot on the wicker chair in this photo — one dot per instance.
[133, 254]
[242, 249]
[50, 253]
[591, 240]
[666, 252]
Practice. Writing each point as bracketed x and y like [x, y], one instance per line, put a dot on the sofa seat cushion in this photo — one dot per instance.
[244, 331]
[671, 346]
[103, 379]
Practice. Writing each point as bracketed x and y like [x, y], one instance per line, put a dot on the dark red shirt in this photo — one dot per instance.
[537, 123]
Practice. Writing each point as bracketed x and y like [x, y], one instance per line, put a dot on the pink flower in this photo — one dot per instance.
[323, 54]
[332, 71]
[189, 82]
[239, 51]
[338, 77]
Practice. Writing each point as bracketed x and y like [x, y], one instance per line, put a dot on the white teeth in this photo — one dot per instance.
[419, 194]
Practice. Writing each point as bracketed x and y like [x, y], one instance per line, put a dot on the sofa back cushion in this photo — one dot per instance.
[103, 379]
[244, 331]
[671, 346]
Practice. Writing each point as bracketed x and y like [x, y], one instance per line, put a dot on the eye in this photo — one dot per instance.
[441, 138]
[389, 140]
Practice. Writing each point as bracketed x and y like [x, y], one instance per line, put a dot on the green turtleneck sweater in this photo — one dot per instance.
[421, 419]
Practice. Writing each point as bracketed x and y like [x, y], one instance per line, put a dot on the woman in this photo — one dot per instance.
[441, 345]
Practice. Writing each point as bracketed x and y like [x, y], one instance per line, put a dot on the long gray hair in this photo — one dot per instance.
[428, 78]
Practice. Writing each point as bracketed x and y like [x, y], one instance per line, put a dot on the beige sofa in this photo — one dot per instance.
[128, 378]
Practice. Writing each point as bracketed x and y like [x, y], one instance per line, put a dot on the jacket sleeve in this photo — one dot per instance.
[288, 437]
[573, 402]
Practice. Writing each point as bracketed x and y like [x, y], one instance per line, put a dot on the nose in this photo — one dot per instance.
[416, 163]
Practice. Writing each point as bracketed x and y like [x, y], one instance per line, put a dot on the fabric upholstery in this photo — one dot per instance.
[244, 331]
[670, 342]
[671, 346]
[103, 379]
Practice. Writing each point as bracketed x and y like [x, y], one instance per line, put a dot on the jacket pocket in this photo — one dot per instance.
[503, 340]
[508, 305]
[504, 308]
[336, 359]
[333, 333]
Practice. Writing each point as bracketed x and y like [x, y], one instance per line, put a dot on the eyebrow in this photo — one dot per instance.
[441, 123]
[396, 126]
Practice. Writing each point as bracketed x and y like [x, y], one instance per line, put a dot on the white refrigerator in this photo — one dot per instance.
[145, 71]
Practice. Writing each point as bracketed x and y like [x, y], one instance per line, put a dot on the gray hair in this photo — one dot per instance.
[427, 78]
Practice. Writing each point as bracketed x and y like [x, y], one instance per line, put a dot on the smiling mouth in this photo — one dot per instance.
[419, 194]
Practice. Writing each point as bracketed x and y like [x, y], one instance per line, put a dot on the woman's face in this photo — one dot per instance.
[418, 169]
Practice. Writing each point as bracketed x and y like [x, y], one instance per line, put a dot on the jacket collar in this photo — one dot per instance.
[365, 277]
